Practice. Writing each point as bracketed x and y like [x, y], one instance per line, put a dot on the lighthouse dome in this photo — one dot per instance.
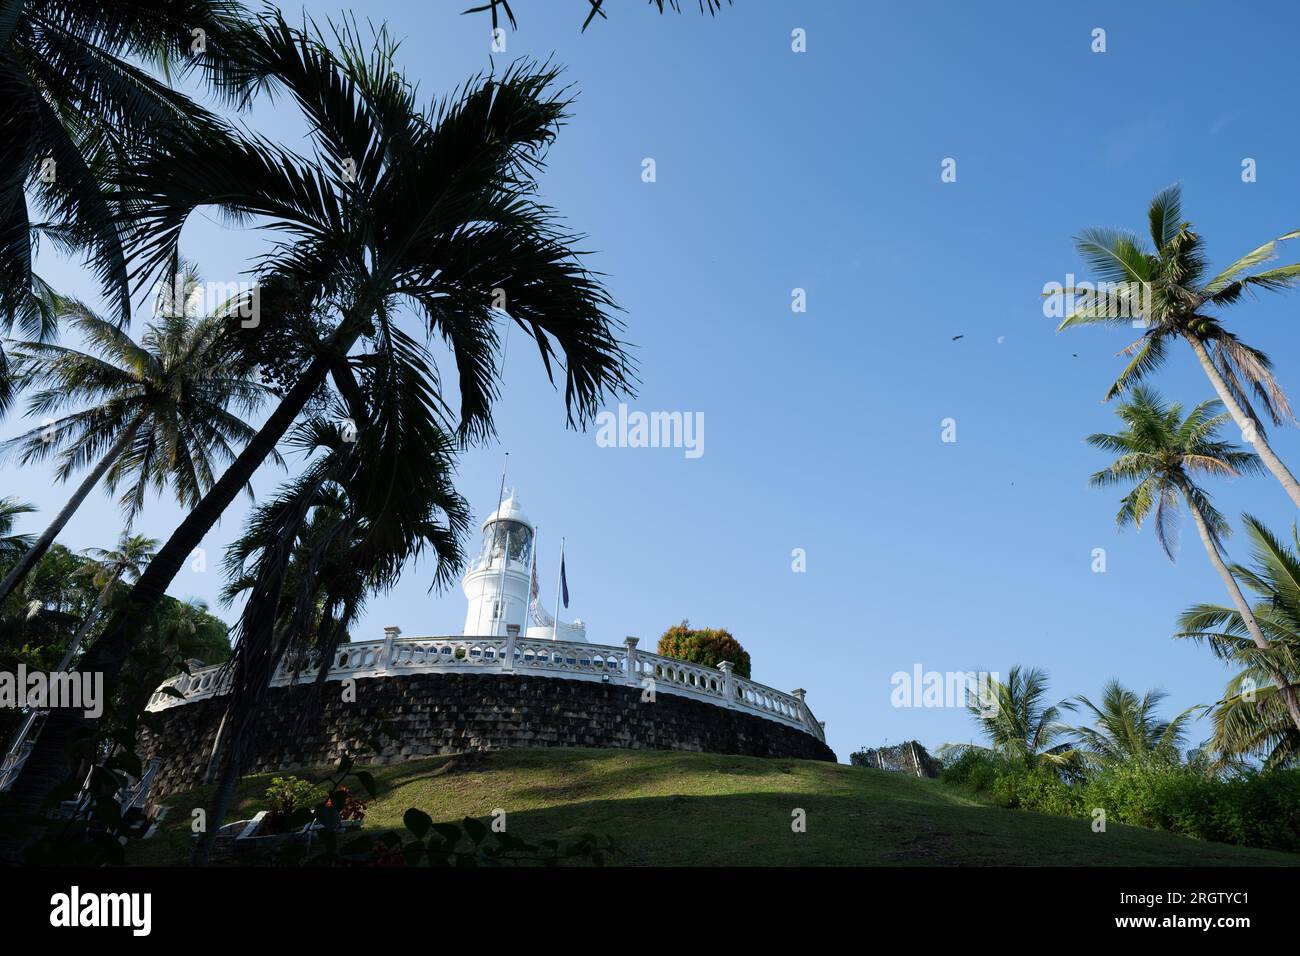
[509, 511]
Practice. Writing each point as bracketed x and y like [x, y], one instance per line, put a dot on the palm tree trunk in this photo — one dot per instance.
[224, 794]
[1260, 443]
[48, 764]
[1243, 607]
[42, 544]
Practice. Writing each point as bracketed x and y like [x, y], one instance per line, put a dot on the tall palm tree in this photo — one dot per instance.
[1160, 455]
[1167, 285]
[312, 556]
[12, 545]
[1017, 720]
[1126, 728]
[1254, 715]
[77, 102]
[154, 413]
[400, 214]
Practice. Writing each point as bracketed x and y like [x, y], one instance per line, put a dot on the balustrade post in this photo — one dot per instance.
[511, 636]
[805, 715]
[386, 655]
[633, 677]
[728, 682]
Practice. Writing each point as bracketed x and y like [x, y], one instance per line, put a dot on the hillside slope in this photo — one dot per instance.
[671, 808]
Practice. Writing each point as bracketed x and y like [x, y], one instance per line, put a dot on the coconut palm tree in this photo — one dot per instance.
[77, 102]
[1126, 729]
[1017, 721]
[1254, 715]
[1160, 455]
[403, 223]
[12, 545]
[106, 569]
[1166, 288]
[153, 413]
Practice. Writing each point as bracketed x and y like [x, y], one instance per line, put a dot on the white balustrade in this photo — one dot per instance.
[396, 655]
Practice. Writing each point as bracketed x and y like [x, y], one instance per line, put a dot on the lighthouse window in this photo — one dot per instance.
[511, 537]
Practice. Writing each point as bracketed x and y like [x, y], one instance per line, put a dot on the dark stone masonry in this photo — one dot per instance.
[432, 714]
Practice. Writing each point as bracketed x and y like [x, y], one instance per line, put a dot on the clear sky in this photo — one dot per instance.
[821, 170]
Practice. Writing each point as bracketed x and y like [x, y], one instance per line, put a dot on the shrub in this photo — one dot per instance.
[976, 769]
[707, 646]
[1251, 808]
[287, 794]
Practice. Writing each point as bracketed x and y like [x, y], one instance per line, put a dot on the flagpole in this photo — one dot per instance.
[501, 495]
[501, 582]
[532, 576]
[555, 627]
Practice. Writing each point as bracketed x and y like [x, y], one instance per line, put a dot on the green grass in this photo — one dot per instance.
[685, 809]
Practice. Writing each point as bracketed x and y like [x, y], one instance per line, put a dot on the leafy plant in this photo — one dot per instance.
[708, 646]
[351, 808]
[287, 794]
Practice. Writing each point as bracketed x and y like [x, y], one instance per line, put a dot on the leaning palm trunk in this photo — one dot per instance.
[1244, 422]
[42, 544]
[224, 795]
[48, 765]
[1243, 607]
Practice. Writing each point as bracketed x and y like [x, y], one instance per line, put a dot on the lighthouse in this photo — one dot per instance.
[499, 582]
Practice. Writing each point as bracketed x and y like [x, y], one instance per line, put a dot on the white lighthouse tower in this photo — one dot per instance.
[498, 584]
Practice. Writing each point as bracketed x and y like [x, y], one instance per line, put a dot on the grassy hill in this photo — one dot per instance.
[676, 809]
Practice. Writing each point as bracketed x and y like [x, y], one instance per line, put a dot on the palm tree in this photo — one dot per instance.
[106, 569]
[12, 545]
[185, 630]
[77, 103]
[1126, 729]
[154, 413]
[1160, 454]
[432, 210]
[1254, 715]
[310, 558]
[1018, 722]
[1168, 289]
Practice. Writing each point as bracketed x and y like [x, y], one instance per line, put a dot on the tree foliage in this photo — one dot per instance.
[708, 646]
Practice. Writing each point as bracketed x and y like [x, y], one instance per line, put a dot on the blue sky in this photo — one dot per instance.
[821, 171]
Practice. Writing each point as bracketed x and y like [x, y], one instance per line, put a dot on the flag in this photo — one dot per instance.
[564, 582]
[532, 593]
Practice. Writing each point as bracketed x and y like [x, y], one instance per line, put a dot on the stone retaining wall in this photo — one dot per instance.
[431, 714]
